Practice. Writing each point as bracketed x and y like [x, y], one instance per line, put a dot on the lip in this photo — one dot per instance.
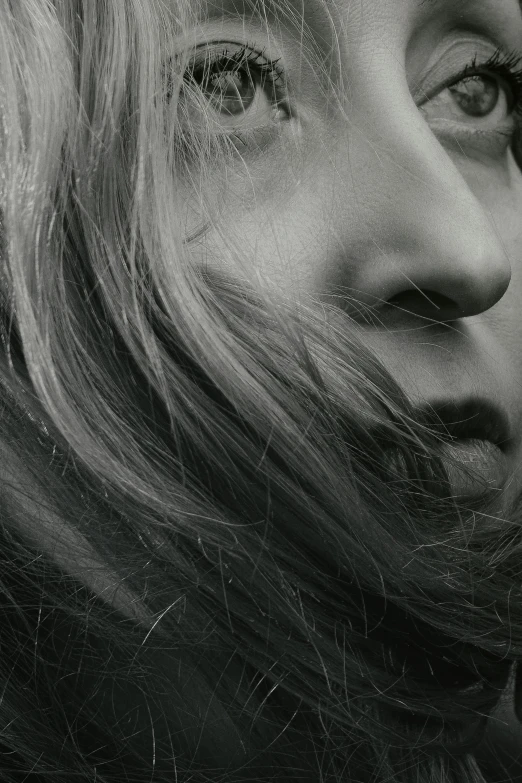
[474, 441]
[473, 418]
[474, 467]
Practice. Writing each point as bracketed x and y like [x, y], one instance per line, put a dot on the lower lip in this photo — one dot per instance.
[474, 466]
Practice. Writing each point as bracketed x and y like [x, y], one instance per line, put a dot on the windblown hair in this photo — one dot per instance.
[227, 547]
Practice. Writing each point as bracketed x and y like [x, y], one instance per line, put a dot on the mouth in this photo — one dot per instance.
[474, 440]
[470, 419]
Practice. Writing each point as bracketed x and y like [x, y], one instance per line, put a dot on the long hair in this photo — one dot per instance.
[228, 548]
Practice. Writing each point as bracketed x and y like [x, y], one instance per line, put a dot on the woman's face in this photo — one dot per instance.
[389, 190]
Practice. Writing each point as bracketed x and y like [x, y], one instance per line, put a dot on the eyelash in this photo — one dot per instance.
[265, 71]
[247, 55]
[506, 65]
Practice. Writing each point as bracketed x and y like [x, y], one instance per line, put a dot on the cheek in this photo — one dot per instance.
[499, 190]
[278, 252]
[263, 231]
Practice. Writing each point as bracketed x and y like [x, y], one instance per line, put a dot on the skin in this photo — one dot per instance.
[385, 196]
[388, 196]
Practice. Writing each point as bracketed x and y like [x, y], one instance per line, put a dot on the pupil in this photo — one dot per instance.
[229, 88]
[476, 95]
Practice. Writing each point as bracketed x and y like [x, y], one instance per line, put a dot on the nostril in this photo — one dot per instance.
[425, 303]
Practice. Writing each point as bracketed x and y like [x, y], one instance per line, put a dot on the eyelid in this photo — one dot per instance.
[457, 137]
[449, 65]
[252, 33]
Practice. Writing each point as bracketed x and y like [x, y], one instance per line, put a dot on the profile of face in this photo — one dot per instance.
[373, 167]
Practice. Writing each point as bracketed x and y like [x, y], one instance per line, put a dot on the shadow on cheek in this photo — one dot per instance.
[517, 147]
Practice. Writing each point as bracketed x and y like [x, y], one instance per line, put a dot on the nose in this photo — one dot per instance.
[418, 237]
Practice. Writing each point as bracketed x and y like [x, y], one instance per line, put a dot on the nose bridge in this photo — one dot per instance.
[427, 230]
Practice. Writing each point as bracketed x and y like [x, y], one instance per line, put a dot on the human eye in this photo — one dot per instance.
[228, 88]
[484, 99]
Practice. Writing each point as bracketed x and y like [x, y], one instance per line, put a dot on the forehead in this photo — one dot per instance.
[326, 23]
[315, 8]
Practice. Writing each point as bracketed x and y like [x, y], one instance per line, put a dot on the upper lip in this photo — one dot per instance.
[472, 418]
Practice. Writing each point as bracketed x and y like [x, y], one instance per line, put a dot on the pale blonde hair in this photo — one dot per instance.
[283, 581]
